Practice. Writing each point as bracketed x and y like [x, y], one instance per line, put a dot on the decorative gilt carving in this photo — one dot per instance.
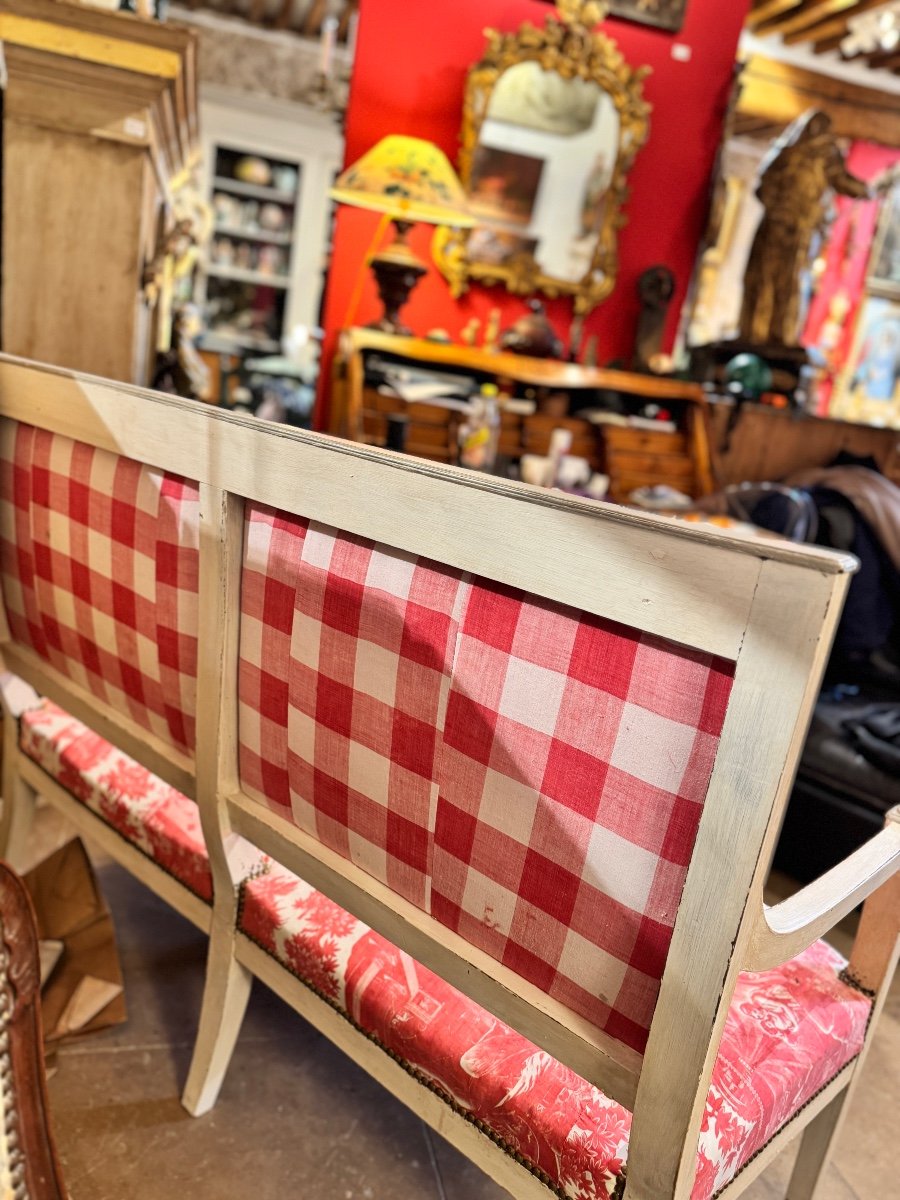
[569, 46]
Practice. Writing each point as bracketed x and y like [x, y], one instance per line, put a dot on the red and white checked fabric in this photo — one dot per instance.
[161, 822]
[99, 561]
[531, 776]
[576, 759]
[788, 1032]
[346, 650]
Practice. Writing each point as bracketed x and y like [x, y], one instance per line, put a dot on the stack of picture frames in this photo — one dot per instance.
[868, 388]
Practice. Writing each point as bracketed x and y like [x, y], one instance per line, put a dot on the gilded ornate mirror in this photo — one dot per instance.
[552, 122]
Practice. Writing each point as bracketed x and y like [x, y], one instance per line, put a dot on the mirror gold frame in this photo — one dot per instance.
[569, 46]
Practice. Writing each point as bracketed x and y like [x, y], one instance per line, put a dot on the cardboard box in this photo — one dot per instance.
[84, 991]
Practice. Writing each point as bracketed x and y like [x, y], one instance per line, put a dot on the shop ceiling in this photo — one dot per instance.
[842, 56]
[829, 26]
[803, 53]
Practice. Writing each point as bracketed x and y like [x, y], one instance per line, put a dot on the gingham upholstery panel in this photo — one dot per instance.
[788, 1032]
[99, 561]
[346, 651]
[576, 759]
[531, 776]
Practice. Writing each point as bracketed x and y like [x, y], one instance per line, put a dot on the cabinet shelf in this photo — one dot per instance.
[239, 275]
[256, 235]
[253, 190]
[228, 343]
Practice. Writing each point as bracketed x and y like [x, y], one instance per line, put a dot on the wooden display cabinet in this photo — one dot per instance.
[263, 272]
[632, 457]
[99, 133]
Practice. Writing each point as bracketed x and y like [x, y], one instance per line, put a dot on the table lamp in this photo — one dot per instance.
[408, 180]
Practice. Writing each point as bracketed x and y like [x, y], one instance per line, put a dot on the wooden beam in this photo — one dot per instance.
[811, 14]
[769, 10]
[778, 93]
[826, 45]
[883, 60]
[834, 26]
[283, 18]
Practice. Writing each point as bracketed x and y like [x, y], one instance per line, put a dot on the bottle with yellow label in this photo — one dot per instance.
[479, 434]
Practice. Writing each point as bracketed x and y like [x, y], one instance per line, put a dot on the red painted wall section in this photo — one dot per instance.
[410, 72]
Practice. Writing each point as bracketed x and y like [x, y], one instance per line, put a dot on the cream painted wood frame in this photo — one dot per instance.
[768, 606]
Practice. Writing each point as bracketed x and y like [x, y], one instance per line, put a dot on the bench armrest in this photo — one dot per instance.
[785, 930]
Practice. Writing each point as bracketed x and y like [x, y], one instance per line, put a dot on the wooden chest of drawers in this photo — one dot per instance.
[632, 457]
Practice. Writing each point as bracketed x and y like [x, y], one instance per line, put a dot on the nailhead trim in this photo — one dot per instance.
[790, 1121]
[846, 976]
[618, 1191]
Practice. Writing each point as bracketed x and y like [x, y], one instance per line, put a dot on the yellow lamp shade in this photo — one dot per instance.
[409, 178]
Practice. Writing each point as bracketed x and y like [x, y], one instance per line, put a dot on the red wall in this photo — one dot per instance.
[410, 71]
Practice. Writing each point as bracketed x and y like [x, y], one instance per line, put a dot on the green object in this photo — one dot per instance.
[751, 374]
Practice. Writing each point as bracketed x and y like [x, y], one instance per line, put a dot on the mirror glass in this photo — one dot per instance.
[541, 171]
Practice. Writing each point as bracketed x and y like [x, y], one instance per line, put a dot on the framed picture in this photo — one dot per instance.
[663, 14]
[504, 184]
[868, 389]
[884, 266]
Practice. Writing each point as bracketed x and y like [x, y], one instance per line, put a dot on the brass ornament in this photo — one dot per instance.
[569, 46]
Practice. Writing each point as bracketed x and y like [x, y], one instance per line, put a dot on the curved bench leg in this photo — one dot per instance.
[225, 996]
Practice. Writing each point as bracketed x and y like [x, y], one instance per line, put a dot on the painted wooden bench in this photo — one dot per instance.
[482, 780]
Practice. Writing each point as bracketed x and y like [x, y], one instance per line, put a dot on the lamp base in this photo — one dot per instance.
[397, 271]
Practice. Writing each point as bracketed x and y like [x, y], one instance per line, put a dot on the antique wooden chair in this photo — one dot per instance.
[29, 1166]
[520, 760]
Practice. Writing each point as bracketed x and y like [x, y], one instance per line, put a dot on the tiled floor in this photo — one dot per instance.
[296, 1119]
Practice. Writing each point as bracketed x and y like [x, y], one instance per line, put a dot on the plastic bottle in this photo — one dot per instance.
[479, 434]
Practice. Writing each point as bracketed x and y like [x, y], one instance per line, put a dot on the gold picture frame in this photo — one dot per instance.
[569, 47]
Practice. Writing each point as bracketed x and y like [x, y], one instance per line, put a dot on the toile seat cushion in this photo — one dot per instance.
[154, 817]
[789, 1032]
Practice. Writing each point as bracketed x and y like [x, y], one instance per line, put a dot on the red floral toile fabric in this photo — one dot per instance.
[156, 818]
[531, 776]
[789, 1031]
[99, 566]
